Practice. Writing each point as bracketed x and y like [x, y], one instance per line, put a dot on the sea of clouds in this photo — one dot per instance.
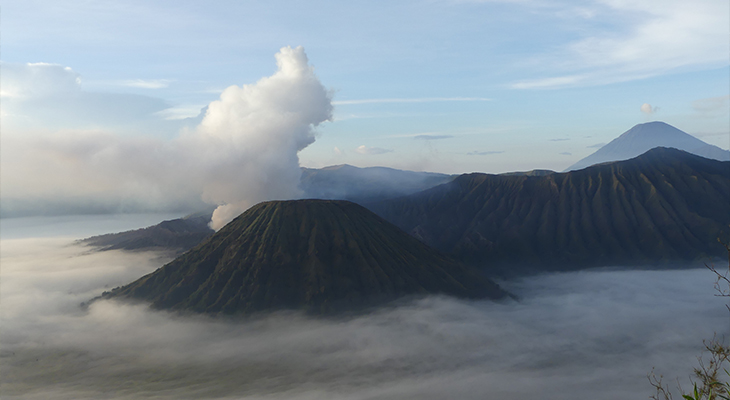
[579, 335]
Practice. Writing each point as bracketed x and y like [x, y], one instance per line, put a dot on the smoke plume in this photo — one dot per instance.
[251, 136]
[244, 151]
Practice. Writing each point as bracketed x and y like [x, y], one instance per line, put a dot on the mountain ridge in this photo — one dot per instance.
[661, 207]
[363, 185]
[175, 235]
[335, 182]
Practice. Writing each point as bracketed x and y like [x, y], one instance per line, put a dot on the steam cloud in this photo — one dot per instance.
[243, 152]
[253, 134]
[591, 334]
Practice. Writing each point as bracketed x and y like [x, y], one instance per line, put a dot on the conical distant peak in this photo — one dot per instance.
[644, 137]
[658, 128]
[653, 123]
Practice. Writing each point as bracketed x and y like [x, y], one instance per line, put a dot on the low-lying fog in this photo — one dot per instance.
[584, 335]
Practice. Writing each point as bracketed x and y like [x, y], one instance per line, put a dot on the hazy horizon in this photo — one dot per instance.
[153, 106]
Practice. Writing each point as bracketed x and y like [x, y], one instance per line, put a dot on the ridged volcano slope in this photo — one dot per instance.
[663, 207]
[317, 255]
[178, 235]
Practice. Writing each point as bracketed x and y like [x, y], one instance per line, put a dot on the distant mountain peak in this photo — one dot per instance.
[659, 130]
[644, 137]
[336, 167]
[652, 124]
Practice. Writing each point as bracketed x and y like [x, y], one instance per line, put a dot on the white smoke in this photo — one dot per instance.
[243, 152]
[251, 136]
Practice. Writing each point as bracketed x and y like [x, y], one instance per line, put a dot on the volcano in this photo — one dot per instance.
[644, 137]
[320, 256]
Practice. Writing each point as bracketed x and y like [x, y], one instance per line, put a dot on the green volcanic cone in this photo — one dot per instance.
[314, 255]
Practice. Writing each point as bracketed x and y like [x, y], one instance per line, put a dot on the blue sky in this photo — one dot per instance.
[449, 86]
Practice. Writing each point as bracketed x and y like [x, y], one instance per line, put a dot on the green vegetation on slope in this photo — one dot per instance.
[320, 256]
[663, 207]
[179, 235]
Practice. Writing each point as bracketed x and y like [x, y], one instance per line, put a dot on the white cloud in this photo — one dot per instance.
[647, 109]
[712, 107]
[50, 96]
[412, 100]
[244, 151]
[37, 80]
[147, 84]
[527, 2]
[550, 82]
[252, 135]
[654, 37]
[181, 112]
[371, 150]
[432, 137]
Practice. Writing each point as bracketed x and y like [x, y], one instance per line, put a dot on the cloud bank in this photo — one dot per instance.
[244, 151]
[371, 150]
[591, 334]
[43, 96]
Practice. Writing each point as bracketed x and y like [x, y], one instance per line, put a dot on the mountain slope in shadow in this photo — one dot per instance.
[665, 206]
[177, 235]
[339, 182]
[313, 255]
[364, 185]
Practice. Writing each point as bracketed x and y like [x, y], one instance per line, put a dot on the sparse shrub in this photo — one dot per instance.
[712, 377]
